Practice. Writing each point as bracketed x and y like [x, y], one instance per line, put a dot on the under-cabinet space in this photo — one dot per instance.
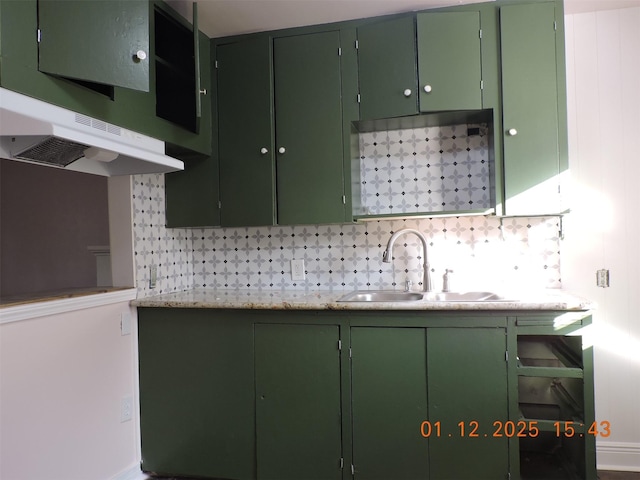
[551, 400]
[544, 355]
[424, 165]
[552, 457]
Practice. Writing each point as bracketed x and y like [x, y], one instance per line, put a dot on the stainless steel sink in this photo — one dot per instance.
[397, 296]
[381, 296]
[466, 297]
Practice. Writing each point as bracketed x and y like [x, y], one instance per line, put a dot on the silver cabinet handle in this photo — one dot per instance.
[264, 151]
[513, 132]
[427, 88]
[407, 92]
[141, 55]
[282, 150]
[203, 91]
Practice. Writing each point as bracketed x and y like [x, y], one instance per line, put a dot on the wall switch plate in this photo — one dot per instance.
[602, 278]
[125, 323]
[126, 409]
[153, 276]
[297, 269]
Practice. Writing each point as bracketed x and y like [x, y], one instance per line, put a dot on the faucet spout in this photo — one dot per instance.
[388, 255]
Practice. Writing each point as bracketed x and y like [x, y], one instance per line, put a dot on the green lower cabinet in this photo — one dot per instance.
[389, 403]
[467, 372]
[298, 406]
[196, 393]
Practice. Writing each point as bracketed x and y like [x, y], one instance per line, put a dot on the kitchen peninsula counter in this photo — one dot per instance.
[544, 300]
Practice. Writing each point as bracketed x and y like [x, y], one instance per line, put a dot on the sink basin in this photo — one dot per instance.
[466, 297]
[398, 296]
[381, 296]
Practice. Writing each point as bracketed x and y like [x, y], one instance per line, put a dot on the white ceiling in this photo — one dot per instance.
[221, 18]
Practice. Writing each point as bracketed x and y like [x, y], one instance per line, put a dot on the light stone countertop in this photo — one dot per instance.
[547, 300]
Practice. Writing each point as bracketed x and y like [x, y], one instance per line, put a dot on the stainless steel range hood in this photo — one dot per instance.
[37, 132]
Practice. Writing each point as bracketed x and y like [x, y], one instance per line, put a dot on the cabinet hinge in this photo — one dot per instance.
[481, 84]
[357, 45]
[358, 98]
[219, 204]
[39, 35]
[344, 199]
[340, 345]
[349, 352]
[555, 26]
[216, 64]
[353, 470]
[341, 463]
[480, 33]
[339, 51]
[506, 356]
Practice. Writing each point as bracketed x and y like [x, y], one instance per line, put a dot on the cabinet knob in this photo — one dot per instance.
[427, 88]
[264, 151]
[141, 55]
[282, 150]
[513, 132]
[407, 92]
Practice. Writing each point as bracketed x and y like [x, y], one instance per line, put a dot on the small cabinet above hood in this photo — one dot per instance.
[37, 132]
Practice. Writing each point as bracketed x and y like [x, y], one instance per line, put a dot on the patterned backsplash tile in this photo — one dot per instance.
[425, 169]
[484, 252]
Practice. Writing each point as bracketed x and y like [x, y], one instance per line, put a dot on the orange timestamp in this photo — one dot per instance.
[518, 429]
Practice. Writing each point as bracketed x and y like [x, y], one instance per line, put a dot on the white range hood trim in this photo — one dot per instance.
[21, 115]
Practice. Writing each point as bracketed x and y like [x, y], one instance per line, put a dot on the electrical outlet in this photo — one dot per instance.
[602, 278]
[153, 276]
[125, 323]
[126, 409]
[297, 270]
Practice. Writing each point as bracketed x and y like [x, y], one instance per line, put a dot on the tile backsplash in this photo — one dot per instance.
[430, 169]
[483, 251]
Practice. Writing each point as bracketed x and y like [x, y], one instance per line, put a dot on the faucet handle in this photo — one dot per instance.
[407, 285]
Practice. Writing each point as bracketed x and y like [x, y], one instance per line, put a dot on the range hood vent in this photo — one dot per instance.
[53, 150]
[35, 131]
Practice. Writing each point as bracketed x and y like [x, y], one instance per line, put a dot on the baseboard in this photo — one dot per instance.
[133, 473]
[618, 456]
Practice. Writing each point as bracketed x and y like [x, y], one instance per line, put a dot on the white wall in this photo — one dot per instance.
[603, 231]
[63, 378]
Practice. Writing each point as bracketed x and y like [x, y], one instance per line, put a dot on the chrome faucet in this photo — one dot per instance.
[388, 255]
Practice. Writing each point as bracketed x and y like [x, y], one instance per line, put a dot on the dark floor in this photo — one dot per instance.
[619, 475]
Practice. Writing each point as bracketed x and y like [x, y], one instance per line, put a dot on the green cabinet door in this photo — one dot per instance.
[387, 69]
[389, 403]
[530, 108]
[196, 393]
[298, 410]
[308, 120]
[467, 394]
[449, 61]
[96, 41]
[245, 145]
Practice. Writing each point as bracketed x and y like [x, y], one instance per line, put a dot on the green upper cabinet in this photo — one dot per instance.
[59, 71]
[308, 120]
[245, 143]
[441, 72]
[387, 70]
[449, 61]
[101, 42]
[534, 133]
[298, 402]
